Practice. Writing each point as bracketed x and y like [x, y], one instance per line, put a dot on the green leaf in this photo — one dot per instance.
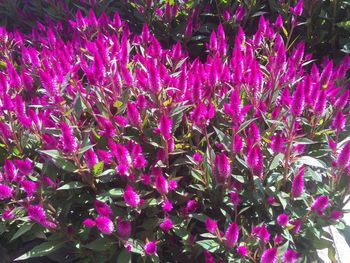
[65, 164]
[116, 192]
[41, 250]
[124, 256]
[275, 162]
[209, 244]
[72, 185]
[51, 153]
[100, 245]
[344, 24]
[314, 175]
[98, 168]
[311, 161]
[84, 149]
[22, 230]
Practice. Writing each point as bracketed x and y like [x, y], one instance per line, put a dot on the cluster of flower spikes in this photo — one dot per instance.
[133, 105]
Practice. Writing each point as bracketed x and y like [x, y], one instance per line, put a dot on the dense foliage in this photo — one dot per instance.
[116, 148]
[324, 25]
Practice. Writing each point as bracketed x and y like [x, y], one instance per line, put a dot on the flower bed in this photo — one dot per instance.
[116, 148]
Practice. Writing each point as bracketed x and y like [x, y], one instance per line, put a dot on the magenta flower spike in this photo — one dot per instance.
[222, 167]
[131, 197]
[104, 224]
[290, 256]
[298, 183]
[211, 225]
[269, 255]
[5, 191]
[67, 138]
[231, 235]
[344, 156]
[151, 247]
[282, 219]
[320, 204]
[124, 228]
[298, 101]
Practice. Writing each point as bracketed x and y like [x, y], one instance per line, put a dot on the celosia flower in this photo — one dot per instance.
[269, 255]
[89, 222]
[243, 251]
[124, 228]
[211, 225]
[222, 167]
[197, 157]
[255, 160]
[234, 198]
[90, 158]
[167, 224]
[8, 214]
[104, 224]
[67, 138]
[191, 205]
[278, 239]
[161, 184]
[102, 208]
[297, 225]
[320, 204]
[133, 115]
[5, 191]
[298, 183]
[282, 219]
[29, 187]
[290, 256]
[167, 206]
[131, 197]
[262, 232]
[344, 156]
[339, 122]
[165, 125]
[151, 247]
[209, 258]
[231, 234]
[298, 101]
[173, 185]
[336, 214]
[36, 213]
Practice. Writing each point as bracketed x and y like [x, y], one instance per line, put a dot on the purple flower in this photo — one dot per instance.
[167, 206]
[336, 214]
[235, 198]
[269, 255]
[243, 251]
[102, 208]
[133, 115]
[5, 191]
[290, 256]
[298, 101]
[344, 156]
[282, 219]
[222, 167]
[338, 122]
[211, 225]
[231, 234]
[197, 157]
[89, 222]
[298, 9]
[67, 138]
[151, 247]
[90, 158]
[104, 224]
[162, 184]
[255, 160]
[37, 213]
[29, 187]
[124, 228]
[320, 204]
[298, 183]
[297, 225]
[131, 197]
[167, 224]
[165, 125]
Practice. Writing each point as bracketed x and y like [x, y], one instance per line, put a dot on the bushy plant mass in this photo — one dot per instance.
[116, 149]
